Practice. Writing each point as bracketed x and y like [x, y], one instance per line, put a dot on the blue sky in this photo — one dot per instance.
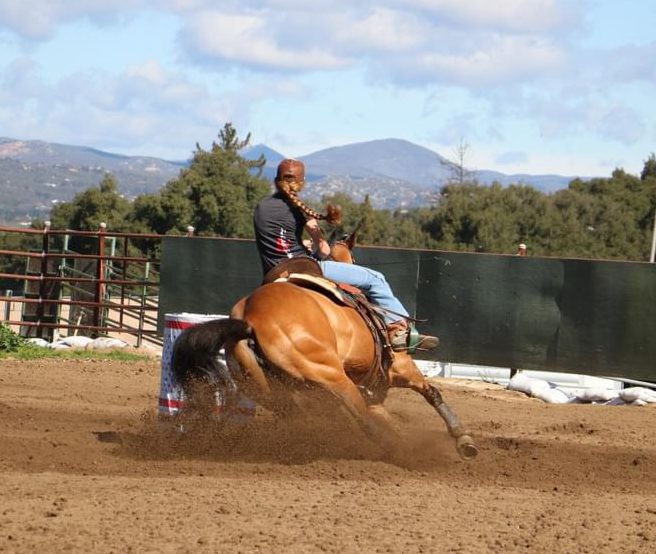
[530, 86]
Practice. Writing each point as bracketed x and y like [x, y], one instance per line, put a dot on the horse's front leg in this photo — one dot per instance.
[373, 420]
[464, 443]
[405, 374]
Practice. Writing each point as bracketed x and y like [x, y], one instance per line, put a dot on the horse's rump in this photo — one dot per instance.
[307, 317]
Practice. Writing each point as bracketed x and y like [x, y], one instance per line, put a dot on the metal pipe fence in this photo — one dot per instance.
[79, 282]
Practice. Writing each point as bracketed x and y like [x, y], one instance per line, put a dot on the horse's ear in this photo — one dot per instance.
[350, 240]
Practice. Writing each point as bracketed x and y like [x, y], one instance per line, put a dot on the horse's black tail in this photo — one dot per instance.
[196, 350]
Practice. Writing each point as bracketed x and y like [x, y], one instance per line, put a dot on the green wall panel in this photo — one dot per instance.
[581, 316]
[204, 275]
[608, 319]
[490, 310]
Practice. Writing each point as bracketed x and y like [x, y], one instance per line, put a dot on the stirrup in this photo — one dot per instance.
[410, 340]
[417, 341]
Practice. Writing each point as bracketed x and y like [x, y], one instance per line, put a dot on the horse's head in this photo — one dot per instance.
[341, 250]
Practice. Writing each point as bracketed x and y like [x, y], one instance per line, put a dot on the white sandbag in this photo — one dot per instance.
[643, 394]
[39, 342]
[638, 402]
[553, 396]
[528, 385]
[538, 388]
[58, 345]
[107, 342]
[77, 341]
[596, 395]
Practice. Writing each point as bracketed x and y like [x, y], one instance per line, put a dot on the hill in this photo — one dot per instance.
[35, 175]
[394, 173]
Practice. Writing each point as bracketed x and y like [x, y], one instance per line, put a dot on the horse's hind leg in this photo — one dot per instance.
[404, 373]
[254, 383]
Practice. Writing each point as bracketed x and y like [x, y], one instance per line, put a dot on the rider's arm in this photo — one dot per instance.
[316, 234]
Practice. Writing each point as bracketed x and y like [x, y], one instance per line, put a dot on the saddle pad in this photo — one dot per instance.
[314, 282]
[299, 264]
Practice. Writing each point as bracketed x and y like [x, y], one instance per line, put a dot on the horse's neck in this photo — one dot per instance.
[340, 252]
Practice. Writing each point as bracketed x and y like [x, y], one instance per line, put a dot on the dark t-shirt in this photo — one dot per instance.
[278, 230]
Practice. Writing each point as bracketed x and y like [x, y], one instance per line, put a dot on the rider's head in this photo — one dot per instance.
[290, 179]
[290, 176]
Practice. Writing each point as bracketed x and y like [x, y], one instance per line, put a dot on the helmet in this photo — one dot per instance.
[291, 172]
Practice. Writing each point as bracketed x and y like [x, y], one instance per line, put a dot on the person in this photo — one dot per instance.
[279, 221]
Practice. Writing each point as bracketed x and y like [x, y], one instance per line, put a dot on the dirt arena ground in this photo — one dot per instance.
[549, 478]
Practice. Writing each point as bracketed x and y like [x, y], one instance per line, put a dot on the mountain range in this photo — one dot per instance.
[394, 173]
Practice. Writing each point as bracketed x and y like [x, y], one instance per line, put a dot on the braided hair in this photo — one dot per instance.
[333, 214]
[290, 178]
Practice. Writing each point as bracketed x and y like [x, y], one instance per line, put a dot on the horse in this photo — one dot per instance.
[284, 336]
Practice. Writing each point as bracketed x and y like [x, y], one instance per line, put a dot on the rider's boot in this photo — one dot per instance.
[404, 338]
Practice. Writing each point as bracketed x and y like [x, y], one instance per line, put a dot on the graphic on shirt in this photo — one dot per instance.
[283, 245]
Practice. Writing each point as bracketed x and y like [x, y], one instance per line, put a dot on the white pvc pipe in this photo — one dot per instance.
[501, 375]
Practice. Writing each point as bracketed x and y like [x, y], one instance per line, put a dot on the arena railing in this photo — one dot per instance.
[79, 282]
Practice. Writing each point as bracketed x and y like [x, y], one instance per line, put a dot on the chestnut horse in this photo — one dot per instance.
[284, 334]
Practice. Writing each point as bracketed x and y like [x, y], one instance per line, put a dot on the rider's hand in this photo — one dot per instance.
[315, 232]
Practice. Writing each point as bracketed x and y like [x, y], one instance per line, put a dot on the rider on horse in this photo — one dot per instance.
[279, 222]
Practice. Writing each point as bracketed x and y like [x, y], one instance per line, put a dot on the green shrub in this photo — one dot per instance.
[9, 341]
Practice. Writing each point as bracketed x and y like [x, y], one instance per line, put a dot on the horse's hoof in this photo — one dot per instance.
[466, 447]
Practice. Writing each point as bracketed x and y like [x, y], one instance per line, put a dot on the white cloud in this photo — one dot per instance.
[246, 39]
[18, 80]
[621, 124]
[512, 157]
[397, 43]
[39, 19]
[458, 128]
[496, 61]
[379, 31]
[401, 41]
[632, 63]
[525, 16]
[121, 112]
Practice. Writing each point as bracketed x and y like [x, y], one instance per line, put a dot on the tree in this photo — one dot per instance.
[93, 206]
[457, 167]
[615, 220]
[216, 194]
[649, 169]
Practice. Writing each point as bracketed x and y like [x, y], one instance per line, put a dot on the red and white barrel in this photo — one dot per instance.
[171, 395]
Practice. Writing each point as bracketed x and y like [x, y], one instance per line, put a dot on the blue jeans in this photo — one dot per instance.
[372, 283]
